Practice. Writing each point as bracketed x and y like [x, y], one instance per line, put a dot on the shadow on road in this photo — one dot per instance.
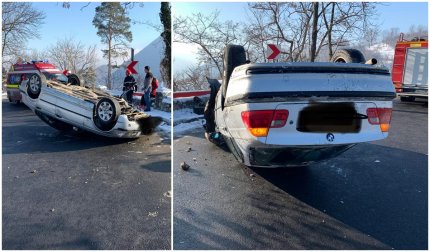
[378, 190]
[24, 132]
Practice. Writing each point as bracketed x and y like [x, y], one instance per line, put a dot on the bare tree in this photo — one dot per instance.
[209, 34]
[76, 57]
[303, 29]
[192, 78]
[20, 22]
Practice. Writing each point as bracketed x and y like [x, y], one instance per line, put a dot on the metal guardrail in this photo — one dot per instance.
[184, 94]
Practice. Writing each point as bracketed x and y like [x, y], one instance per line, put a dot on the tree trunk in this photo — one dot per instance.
[329, 31]
[109, 84]
[314, 31]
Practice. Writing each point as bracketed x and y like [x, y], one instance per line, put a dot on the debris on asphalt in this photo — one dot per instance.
[189, 149]
[252, 175]
[52, 210]
[139, 152]
[33, 171]
[185, 166]
[167, 194]
[194, 159]
[16, 176]
[377, 161]
[153, 214]
[341, 202]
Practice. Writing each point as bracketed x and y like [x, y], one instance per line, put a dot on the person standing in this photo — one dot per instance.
[129, 86]
[146, 97]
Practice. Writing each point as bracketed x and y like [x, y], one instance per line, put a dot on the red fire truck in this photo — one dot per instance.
[410, 68]
[22, 71]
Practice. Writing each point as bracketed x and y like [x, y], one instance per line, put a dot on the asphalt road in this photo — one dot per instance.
[81, 191]
[374, 196]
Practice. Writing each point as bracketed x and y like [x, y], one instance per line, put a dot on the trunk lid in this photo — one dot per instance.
[326, 123]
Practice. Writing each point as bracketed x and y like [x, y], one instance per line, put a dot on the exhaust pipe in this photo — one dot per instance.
[371, 61]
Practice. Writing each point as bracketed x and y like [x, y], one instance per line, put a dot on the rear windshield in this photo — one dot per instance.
[55, 76]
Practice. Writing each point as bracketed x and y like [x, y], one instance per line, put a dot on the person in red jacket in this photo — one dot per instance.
[154, 85]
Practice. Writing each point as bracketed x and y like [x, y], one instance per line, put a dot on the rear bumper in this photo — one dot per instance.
[13, 94]
[293, 156]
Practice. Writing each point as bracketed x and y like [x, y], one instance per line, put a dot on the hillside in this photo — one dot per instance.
[151, 56]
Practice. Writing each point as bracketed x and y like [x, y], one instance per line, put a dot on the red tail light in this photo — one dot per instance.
[258, 122]
[381, 116]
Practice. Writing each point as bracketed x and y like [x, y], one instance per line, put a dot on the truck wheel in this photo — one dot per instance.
[73, 79]
[234, 55]
[106, 113]
[34, 86]
[348, 56]
[407, 98]
[54, 123]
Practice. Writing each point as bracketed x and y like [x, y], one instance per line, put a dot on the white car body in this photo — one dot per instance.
[73, 108]
[297, 87]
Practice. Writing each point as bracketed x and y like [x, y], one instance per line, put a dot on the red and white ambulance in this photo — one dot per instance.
[23, 70]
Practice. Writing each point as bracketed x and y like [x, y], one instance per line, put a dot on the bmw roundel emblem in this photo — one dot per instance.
[330, 137]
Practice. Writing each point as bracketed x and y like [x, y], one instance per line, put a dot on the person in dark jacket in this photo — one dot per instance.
[129, 86]
[146, 97]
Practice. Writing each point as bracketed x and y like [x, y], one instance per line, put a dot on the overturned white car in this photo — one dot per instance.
[64, 106]
[295, 114]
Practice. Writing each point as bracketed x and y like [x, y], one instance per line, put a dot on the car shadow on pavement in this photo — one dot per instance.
[381, 191]
[44, 139]
[294, 227]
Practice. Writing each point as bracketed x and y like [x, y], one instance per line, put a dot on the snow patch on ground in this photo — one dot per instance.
[164, 127]
[180, 128]
[165, 115]
[384, 53]
[185, 120]
[185, 115]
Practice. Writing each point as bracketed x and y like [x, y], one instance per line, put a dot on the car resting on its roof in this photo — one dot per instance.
[64, 106]
[297, 113]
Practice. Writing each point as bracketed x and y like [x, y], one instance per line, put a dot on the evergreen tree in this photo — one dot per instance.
[113, 27]
[165, 18]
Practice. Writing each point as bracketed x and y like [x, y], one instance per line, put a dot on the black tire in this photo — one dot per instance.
[53, 122]
[106, 113]
[234, 55]
[74, 80]
[348, 56]
[209, 111]
[34, 85]
[407, 98]
[209, 114]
